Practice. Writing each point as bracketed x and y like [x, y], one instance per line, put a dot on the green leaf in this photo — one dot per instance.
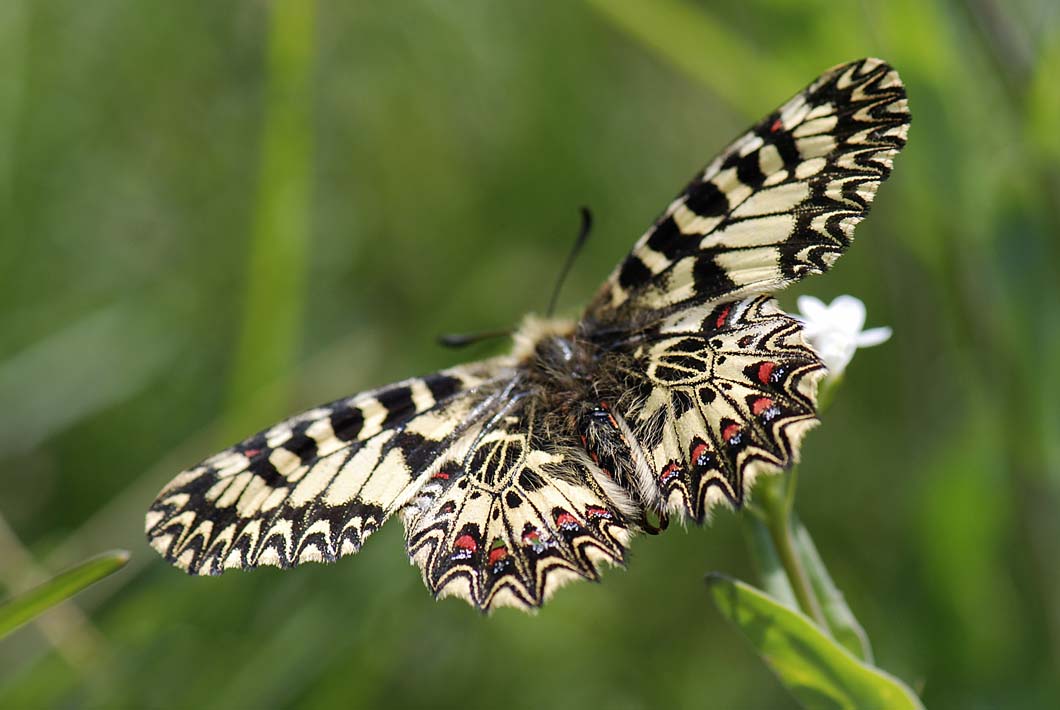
[815, 669]
[26, 606]
[841, 620]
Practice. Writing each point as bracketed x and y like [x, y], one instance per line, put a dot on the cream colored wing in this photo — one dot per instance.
[512, 518]
[731, 392]
[777, 204]
[315, 486]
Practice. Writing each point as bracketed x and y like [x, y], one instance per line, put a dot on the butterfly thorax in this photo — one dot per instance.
[558, 369]
[572, 378]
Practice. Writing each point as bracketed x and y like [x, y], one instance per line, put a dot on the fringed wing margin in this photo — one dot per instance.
[314, 487]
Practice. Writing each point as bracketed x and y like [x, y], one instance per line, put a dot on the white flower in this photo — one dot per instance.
[834, 330]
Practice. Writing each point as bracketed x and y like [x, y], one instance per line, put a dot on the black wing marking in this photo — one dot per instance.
[314, 487]
[733, 392]
[510, 518]
[779, 203]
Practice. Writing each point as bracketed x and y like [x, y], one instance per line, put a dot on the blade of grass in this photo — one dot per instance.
[44, 391]
[695, 42]
[1043, 102]
[66, 628]
[276, 262]
[13, 30]
[22, 608]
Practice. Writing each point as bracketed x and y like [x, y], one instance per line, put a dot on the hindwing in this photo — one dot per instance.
[513, 519]
[731, 392]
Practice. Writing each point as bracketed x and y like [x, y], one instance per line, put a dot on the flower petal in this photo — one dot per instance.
[835, 350]
[848, 313]
[811, 308]
[873, 336]
[834, 330]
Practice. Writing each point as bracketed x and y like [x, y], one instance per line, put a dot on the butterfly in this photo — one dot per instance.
[680, 384]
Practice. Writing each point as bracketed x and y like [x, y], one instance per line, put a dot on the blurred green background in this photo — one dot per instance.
[215, 214]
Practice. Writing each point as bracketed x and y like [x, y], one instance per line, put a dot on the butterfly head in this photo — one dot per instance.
[547, 339]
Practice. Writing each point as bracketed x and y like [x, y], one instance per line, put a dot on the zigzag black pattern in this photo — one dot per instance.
[679, 386]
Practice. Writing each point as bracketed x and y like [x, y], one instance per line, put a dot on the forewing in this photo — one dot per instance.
[315, 486]
[731, 391]
[779, 203]
[509, 518]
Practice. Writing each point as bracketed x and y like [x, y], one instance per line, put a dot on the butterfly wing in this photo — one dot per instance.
[777, 204]
[314, 487]
[719, 385]
[514, 516]
[677, 389]
[731, 391]
[494, 512]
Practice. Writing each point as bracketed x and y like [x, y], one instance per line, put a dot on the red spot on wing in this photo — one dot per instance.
[777, 125]
[466, 542]
[722, 317]
[251, 453]
[566, 520]
[760, 405]
[672, 469]
[730, 432]
[765, 371]
[497, 554]
[441, 475]
[698, 450]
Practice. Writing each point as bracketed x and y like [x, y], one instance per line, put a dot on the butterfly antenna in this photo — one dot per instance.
[461, 340]
[579, 242]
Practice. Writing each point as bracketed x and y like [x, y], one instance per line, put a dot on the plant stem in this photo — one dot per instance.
[776, 501]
